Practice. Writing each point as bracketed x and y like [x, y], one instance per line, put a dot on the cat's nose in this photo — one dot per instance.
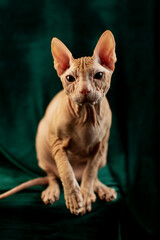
[85, 91]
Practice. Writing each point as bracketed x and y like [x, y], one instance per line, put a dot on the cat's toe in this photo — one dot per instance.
[104, 192]
[88, 198]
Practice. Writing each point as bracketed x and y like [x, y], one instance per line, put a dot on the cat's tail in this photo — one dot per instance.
[30, 183]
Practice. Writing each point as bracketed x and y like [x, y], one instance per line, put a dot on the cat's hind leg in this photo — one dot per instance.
[104, 192]
[52, 192]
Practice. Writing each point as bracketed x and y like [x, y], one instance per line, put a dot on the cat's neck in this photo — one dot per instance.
[86, 113]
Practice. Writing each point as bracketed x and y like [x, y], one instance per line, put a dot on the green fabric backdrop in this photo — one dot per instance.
[27, 84]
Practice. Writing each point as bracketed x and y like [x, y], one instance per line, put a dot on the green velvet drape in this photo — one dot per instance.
[27, 84]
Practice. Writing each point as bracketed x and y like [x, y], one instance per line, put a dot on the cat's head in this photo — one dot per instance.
[86, 80]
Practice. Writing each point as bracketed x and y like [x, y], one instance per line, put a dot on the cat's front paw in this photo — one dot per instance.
[74, 200]
[89, 197]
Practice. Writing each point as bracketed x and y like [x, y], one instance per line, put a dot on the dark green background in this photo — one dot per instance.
[27, 84]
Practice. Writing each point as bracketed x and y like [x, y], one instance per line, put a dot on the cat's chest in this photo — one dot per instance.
[84, 131]
[84, 138]
[88, 134]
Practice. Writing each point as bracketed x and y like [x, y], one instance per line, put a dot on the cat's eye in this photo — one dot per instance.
[70, 78]
[98, 75]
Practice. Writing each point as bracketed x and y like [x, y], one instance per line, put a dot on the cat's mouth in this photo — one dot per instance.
[87, 101]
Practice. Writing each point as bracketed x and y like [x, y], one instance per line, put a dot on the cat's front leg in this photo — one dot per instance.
[88, 179]
[90, 182]
[72, 193]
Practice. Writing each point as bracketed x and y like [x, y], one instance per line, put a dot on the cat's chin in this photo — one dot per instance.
[88, 104]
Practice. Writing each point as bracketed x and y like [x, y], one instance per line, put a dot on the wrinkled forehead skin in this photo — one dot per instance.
[83, 64]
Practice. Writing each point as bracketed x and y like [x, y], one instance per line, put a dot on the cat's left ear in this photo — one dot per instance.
[61, 55]
[104, 51]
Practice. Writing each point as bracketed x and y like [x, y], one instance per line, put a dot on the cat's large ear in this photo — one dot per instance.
[61, 55]
[104, 51]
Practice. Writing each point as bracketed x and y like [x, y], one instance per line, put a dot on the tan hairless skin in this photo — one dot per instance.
[72, 137]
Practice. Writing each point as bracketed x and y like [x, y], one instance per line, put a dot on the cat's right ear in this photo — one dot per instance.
[61, 55]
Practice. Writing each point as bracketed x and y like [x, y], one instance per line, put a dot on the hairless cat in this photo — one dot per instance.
[72, 137]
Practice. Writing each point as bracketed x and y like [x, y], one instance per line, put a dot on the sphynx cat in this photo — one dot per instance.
[72, 137]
